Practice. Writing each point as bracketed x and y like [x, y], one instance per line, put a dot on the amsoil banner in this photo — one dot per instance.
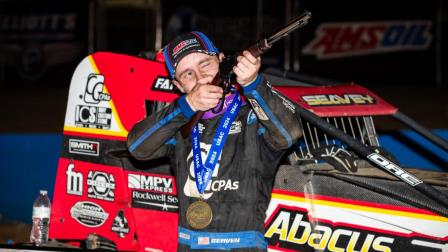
[371, 42]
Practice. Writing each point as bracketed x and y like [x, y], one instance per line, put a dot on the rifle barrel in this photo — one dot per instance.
[291, 26]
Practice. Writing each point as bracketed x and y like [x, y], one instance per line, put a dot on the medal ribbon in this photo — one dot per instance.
[204, 171]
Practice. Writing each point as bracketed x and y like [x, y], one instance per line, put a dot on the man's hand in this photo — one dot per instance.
[204, 97]
[247, 68]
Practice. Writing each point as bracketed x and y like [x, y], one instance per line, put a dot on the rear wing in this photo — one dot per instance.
[340, 100]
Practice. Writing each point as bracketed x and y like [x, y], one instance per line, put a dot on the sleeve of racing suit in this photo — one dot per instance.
[151, 137]
[275, 113]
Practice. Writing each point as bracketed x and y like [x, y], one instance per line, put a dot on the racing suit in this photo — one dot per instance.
[239, 191]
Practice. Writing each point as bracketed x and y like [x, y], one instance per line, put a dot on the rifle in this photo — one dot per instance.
[225, 74]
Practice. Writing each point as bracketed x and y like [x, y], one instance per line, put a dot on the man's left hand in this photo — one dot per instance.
[246, 69]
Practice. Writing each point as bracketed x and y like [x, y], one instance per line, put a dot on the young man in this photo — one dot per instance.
[225, 169]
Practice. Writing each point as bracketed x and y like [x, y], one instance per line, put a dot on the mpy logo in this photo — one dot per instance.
[215, 184]
[337, 40]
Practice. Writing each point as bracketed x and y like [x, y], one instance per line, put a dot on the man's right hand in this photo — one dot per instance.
[204, 97]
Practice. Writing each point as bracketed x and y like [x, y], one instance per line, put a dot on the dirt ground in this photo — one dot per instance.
[14, 232]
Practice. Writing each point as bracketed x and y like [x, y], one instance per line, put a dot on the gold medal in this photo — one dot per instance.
[199, 215]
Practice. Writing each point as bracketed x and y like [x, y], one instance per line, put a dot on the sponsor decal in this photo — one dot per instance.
[335, 100]
[88, 214]
[101, 185]
[258, 110]
[215, 184]
[235, 128]
[163, 84]
[290, 228]
[394, 169]
[83, 147]
[74, 181]
[151, 183]
[120, 224]
[95, 89]
[157, 201]
[183, 46]
[337, 40]
[225, 240]
[203, 240]
[93, 117]
[184, 235]
[201, 127]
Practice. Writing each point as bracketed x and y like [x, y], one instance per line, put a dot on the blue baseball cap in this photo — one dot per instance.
[185, 44]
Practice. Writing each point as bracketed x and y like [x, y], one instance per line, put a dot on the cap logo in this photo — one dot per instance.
[183, 44]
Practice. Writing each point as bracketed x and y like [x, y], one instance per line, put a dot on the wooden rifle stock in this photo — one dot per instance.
[257, 49]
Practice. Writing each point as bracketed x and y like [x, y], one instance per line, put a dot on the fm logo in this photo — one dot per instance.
[94, 89]
[74, 181]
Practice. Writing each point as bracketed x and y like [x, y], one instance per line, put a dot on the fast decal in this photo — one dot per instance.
[94, 92]
[156, 201]
[337, 40]
[290, 229]
[93, 117]
[88, 214]
[74, 180]
[216, 184]
[84, 147]
[120, 224]
[101, 186]
[336, 100]
[163, 84]
[150, 183]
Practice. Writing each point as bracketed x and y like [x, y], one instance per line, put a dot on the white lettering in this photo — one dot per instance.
[74, 181]
[394, 169]
[225, 240]
[219, 140]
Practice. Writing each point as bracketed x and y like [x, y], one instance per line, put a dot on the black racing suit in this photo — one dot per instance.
[240, 188]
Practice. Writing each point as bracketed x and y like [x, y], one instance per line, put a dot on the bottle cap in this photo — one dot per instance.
[44, 192]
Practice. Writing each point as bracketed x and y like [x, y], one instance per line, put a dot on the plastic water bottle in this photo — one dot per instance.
[41, 219]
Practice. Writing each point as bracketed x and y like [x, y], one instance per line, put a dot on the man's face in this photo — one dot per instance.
[195, 68]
